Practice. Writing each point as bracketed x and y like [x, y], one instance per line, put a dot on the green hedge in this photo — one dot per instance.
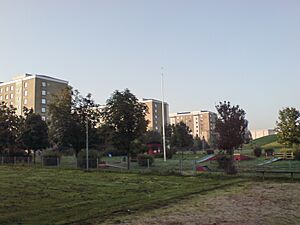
[93, 156]
[143, 159]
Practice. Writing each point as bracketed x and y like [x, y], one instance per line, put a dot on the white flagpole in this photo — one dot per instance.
[163, 115]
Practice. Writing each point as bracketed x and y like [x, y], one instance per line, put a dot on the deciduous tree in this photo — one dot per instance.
[230, 127]
[126, 115]
[34, 134]
[288, 126]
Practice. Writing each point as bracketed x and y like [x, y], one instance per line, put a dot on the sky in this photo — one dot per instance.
[243, 51]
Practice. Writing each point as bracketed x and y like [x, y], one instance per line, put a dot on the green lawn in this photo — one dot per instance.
[59, 196]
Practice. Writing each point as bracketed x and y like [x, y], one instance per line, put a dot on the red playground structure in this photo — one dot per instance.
[154, 148]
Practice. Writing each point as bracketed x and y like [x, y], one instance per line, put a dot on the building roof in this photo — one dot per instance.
[28, 76]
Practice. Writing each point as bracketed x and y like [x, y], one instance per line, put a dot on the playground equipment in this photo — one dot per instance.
[206, 158]
[270, 161]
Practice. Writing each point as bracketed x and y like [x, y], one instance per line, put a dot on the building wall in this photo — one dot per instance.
[31, 91]
[201, 123]
[154, 115]
[262, 133]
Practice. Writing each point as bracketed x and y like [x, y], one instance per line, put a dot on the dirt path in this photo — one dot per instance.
[251, 204]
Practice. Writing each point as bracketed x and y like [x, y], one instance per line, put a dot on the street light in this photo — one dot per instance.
[87, 143]
[163, 115]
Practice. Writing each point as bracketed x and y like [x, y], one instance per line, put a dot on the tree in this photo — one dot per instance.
[34, 135]
[60, 120]
[9, 126]
[230, 126]
[288, 126]
[85, 114]
[70, 113]
[181, 137]
[126, 116]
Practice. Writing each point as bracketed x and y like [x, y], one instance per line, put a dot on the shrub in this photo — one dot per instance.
[257, 151]
[159, 155]
[269, 151]
[143, 159]
[51, 158]
[210, 151]
[93, 156]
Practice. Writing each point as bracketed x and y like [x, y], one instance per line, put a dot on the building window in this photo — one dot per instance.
[11, 96]
[11, 88]
[44, 84]
[25, 84]
[155, 105]
[44, 92]
[1, 90]
[43, 109]
[43, 101]
[25, 101]
[156, 128]
[6, 97]
[7, 88]
[11, 103]
[1, 98]
[44, 118]
[25, 93]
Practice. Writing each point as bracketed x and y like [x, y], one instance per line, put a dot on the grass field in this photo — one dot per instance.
[64, 196]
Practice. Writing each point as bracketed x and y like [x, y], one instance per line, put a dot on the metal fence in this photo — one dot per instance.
[172, 166]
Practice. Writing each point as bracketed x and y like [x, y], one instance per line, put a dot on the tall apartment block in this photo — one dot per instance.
[31, 91]
[201, 123]
[154, 114]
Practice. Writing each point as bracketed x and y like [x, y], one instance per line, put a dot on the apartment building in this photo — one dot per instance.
[154, 115]
[201, 123]
[31, 91]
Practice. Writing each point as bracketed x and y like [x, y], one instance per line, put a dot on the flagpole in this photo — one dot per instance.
[163, 115]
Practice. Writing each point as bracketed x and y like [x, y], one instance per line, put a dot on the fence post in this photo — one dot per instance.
[14, 160]
[2, 160]
[42, 159]
[97, 163]
[148, 163]
[57, 162]
[28, 160]
[195, 167]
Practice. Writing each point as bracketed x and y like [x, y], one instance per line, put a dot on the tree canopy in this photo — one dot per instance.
[9, 128]
[181, 137]
[69, 115]
[230, 126]
[126, 116]
[288, 126]
[34, 135]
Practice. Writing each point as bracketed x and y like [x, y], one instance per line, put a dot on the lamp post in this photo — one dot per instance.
[87, 143]
[163, 115]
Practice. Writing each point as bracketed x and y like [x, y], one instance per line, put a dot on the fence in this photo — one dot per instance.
[172, 166]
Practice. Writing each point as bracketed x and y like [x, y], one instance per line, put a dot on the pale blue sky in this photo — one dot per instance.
[247, 52]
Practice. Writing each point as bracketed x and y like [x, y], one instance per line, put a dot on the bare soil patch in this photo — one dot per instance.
[257, 203]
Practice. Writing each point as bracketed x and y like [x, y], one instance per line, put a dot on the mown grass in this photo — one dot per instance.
[63, 196]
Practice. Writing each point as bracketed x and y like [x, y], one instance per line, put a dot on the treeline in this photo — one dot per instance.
[119, 128]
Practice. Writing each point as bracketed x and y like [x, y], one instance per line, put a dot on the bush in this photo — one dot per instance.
[226, 162]
[159, 155]
[210, 151]
[93, 156]
[257, 151]
[171, 152]
[51, 158]
[269, 151]
[143, 159]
